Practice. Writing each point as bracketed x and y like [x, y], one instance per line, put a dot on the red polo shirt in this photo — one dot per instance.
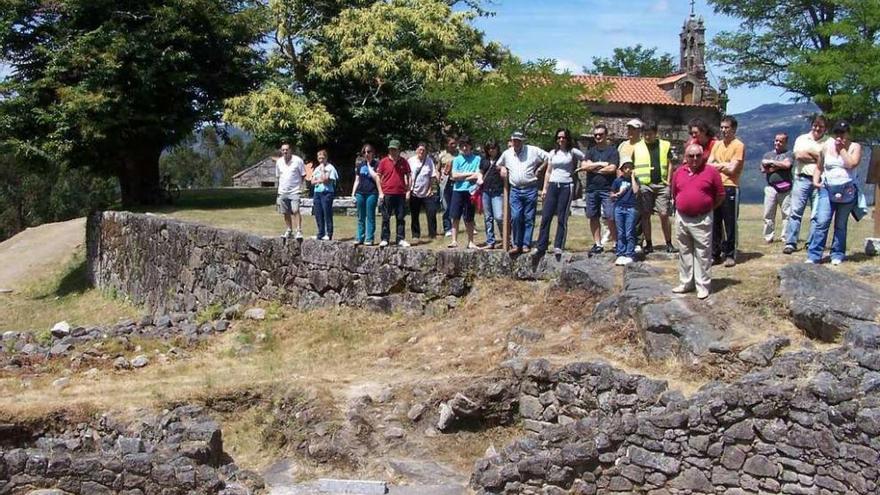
[391, 175]
[695, 192]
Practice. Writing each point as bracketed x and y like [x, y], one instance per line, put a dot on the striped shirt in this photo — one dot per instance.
[521, 166]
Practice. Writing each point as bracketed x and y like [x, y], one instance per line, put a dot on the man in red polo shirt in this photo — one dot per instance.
[697, 191]
[394, 175]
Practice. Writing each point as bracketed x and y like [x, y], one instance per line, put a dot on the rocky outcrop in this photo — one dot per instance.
[668, 326]
[173, 266]
[179, 452]
[826, 303]
[808, 423]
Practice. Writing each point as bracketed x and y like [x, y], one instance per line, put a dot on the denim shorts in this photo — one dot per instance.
[462, 206]
[599, 203]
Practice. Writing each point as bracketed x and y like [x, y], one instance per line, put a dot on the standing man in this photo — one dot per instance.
[633, 136]
[807, 149]
[289, 173]
[776, 165]
[520, 163]
[727, 157]
[423, 193]
[394, 175]
[446, 182]
[652, 158]
[601, 167]
[697, 190]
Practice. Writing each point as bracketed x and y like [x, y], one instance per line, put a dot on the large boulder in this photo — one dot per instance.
[587, 274]
[826, 303]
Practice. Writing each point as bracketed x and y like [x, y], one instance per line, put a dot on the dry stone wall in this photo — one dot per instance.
[806, 424]
[172, 266]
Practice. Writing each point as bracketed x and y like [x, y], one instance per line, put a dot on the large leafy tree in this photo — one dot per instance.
[633, 61]
[529, 97]
[821, 50]
[352, 70]
[109, 84]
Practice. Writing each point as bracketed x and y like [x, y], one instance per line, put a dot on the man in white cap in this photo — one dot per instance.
[521, 162]
[633, 136]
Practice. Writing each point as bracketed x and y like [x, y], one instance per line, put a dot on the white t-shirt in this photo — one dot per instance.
[290, 175]
[521, 166]
[563, 163]
[805, 142]
[835, 172]
[421, 181]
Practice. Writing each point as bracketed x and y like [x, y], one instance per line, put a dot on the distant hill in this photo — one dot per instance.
[759, 126]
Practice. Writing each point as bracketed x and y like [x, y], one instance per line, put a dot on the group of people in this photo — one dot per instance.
[625, 186]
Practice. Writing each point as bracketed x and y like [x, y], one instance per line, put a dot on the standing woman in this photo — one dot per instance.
[557, 191]
[324, 178]
[423, 191]
[366, 191]
[493, 192]
[834, 179]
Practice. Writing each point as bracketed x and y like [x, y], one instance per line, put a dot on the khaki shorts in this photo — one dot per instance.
[288, 204]
[655, 198]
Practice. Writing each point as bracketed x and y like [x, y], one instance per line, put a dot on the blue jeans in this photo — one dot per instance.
[366, 216]
[447, 206]
[801, 196]
[493, 213]
[557, 202]
[825, 211]
[322, 209]
[626, 218]
[523, 205]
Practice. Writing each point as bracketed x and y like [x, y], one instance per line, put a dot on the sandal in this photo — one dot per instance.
[452, 245]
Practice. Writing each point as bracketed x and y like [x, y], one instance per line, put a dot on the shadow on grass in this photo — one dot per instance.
[743, 257]
[216, 199]
[74, 280]
[720, 284]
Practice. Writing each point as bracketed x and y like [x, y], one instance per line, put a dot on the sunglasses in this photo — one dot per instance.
[601, 134]
[698, 155]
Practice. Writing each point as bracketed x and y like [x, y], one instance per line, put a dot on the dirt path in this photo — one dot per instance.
[38, 250]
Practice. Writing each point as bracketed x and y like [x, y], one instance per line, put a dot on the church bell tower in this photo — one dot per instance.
[693, 46]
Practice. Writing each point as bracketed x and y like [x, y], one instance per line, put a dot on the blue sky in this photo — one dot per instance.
[574, 31]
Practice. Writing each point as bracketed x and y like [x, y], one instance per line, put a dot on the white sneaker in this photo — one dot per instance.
[809, 261]
[638, 249]
[835, 261]
[626, 260]
[368, 243]
[325, 238]
[287, 233]
[448, 233]
[299, 235]
[403, 243]
[383, 243]
[619, 261]
[557, 251]
[313, 237]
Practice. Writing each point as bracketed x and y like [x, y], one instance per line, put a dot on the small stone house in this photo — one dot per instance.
[672, 101]
[260, 174]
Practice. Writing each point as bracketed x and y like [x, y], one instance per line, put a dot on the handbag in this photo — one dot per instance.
[477, 198]
[842, 193]
[781, 186]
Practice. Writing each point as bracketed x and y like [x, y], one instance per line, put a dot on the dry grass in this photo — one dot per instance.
[63, 294]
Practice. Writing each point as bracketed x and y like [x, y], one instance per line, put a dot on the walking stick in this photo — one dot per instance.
[505, 232]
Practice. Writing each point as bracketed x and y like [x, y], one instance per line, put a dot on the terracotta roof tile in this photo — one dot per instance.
[636, 90]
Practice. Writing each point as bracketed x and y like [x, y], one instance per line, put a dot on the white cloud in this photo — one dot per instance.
[660, 6]
[563, 65]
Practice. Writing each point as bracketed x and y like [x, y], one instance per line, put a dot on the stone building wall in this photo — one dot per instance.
[172, 266]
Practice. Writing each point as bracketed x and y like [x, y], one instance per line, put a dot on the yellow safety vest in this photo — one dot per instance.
[642, 161]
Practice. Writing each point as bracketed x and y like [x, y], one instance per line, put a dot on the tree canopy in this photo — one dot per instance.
[109, 84]
[821, 50]
[520, 96]
[344, 68]
[633, 61]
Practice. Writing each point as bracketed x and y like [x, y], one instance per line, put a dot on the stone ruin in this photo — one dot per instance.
[177, 452]
[794, 421]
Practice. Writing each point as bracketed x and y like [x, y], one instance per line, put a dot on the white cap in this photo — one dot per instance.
[635, 123]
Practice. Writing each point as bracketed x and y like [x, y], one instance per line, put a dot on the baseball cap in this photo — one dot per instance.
[635, 123]
[627, 163]
[517, 136]
[840, 127]
[394, 144]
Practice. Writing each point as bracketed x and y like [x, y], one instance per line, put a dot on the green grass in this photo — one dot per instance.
[62, 295]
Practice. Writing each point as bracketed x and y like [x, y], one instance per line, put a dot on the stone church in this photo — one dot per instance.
[671, 101]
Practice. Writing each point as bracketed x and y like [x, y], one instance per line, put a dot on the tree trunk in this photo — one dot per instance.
[139, 175]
